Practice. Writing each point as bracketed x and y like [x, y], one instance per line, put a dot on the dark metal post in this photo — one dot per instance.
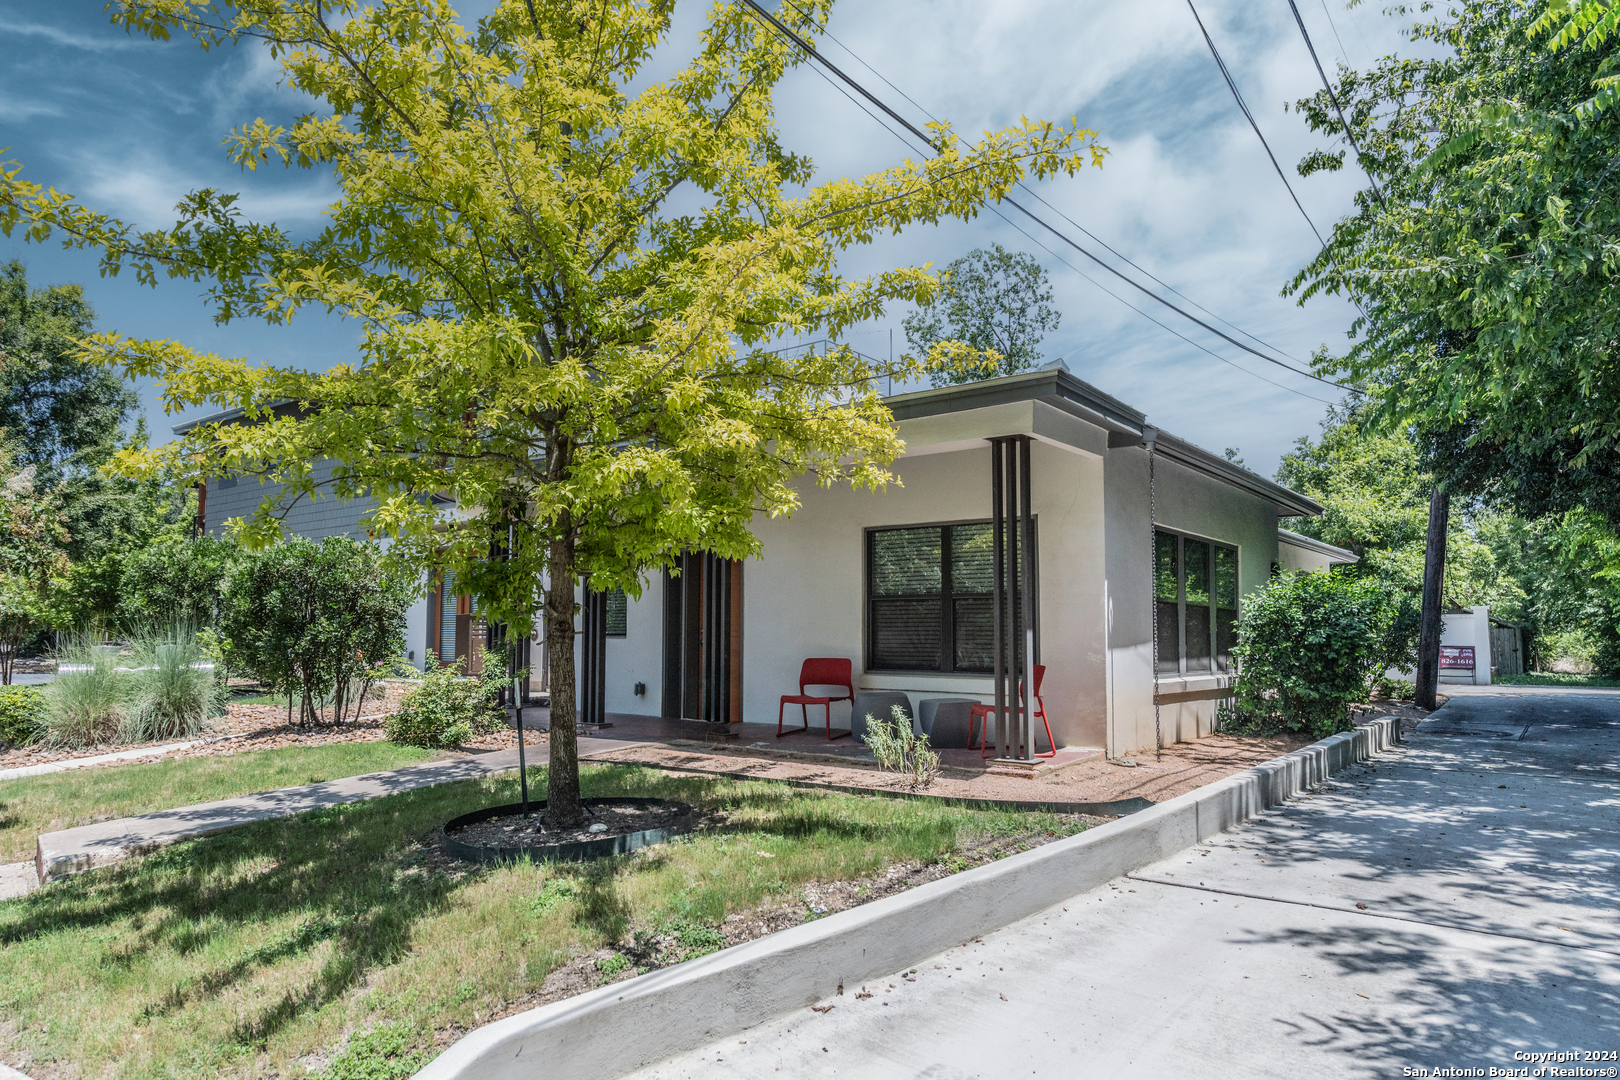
[1026, 594]
[998, 563]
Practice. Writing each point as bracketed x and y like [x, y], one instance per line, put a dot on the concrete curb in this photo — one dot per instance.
[618, 1028]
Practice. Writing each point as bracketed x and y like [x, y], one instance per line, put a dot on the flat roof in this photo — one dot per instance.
[1057, 386]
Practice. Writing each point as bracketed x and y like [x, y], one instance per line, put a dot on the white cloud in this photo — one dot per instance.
[144, 191]
[57, 36]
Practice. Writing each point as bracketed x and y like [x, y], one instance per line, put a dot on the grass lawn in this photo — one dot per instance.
[338, 943]
[1552, 678]
[36, 804]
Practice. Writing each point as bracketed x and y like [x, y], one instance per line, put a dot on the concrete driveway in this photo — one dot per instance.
[1452, 905]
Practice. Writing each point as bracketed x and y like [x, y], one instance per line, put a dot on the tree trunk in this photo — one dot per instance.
[563, 808]
[1434, 572]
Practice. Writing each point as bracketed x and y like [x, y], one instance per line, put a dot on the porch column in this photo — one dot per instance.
[593, 659]
[1013, 595]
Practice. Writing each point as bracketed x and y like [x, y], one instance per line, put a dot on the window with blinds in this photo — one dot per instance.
[618, 613]
[1195, 591]
[929, 598]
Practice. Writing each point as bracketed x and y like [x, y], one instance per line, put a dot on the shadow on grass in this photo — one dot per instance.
[353, 880]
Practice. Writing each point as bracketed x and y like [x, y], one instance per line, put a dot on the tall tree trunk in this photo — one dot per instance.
[1434, 573]
[563, 808]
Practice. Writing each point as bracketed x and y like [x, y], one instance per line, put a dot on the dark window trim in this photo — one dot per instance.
[1182, 536]
[948, 612]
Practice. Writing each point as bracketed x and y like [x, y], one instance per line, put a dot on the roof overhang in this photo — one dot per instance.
[1126, 427]
[1054, 386]
[1321, 547]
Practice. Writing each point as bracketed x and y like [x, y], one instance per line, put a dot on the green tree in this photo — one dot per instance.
[175, 579]
[570, 272]
[997, 302]
[315, 621]
[1486, 274]
[32, 562]
[66, 415]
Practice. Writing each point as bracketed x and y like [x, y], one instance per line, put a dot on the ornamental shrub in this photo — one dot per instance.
[1309, 644]
[22, 715]
[319, 622]
[85, 704]
[175, 580]
[447, 709]
[175, 685]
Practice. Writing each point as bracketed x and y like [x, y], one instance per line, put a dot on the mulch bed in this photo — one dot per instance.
[614, 819]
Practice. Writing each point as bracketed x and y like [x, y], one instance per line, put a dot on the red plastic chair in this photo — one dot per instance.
[822, 671]
[982, 713]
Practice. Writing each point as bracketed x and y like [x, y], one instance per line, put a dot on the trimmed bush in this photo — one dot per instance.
[22, 715]
[1309, 644]
[447, 709]
[320, 622]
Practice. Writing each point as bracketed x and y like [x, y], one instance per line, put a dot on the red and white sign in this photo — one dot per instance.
[1456, 658]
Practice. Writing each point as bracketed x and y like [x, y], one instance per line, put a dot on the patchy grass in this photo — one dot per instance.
[1551, 678]
[340, 942]
[36, 804]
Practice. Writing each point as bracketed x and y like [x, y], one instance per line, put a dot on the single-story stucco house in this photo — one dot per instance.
[903, 583]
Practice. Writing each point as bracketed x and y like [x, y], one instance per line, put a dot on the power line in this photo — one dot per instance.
[1036, 195]
[1243, 105]
[1335, 28]
[796, 40]
[1331, 96]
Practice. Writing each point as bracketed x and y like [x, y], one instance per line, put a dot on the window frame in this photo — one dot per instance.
[607, 618]
[1181, 537]
[946, 662]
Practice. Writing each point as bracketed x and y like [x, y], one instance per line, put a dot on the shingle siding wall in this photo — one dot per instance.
[314, 519]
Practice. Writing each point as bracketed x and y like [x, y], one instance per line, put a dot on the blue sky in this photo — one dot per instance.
[129, 126]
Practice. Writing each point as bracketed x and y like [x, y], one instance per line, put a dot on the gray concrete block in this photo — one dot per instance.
[945, 720]
[879, 704]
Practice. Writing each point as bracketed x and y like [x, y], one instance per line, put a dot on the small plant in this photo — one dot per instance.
[552, 893]
[693, 939]
[22, 715]
[1396, 689]
[174, 686]
[387, 1052]
[85, 704]
[899, 749]
[447, 709]
[613, 965]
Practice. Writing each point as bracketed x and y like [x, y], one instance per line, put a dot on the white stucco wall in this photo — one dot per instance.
[1189, 502]
[804, 595]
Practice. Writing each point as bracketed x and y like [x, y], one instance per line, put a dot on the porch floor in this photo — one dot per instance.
[793, 745]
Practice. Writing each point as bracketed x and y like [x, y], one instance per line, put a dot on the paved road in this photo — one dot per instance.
[1454, 902]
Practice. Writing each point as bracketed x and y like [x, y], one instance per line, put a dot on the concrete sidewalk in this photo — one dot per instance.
[1449, 906]
[71, 851]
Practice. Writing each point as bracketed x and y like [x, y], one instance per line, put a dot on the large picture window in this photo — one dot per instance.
[929, 598]
[1195, 585]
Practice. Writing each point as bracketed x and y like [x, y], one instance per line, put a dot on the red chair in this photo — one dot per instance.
[981, 714]
[825, 671]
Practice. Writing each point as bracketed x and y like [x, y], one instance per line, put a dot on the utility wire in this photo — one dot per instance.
[1335, 28]
[809, 50]
[1227, 75]
[1331, 96]
[1037, 196]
